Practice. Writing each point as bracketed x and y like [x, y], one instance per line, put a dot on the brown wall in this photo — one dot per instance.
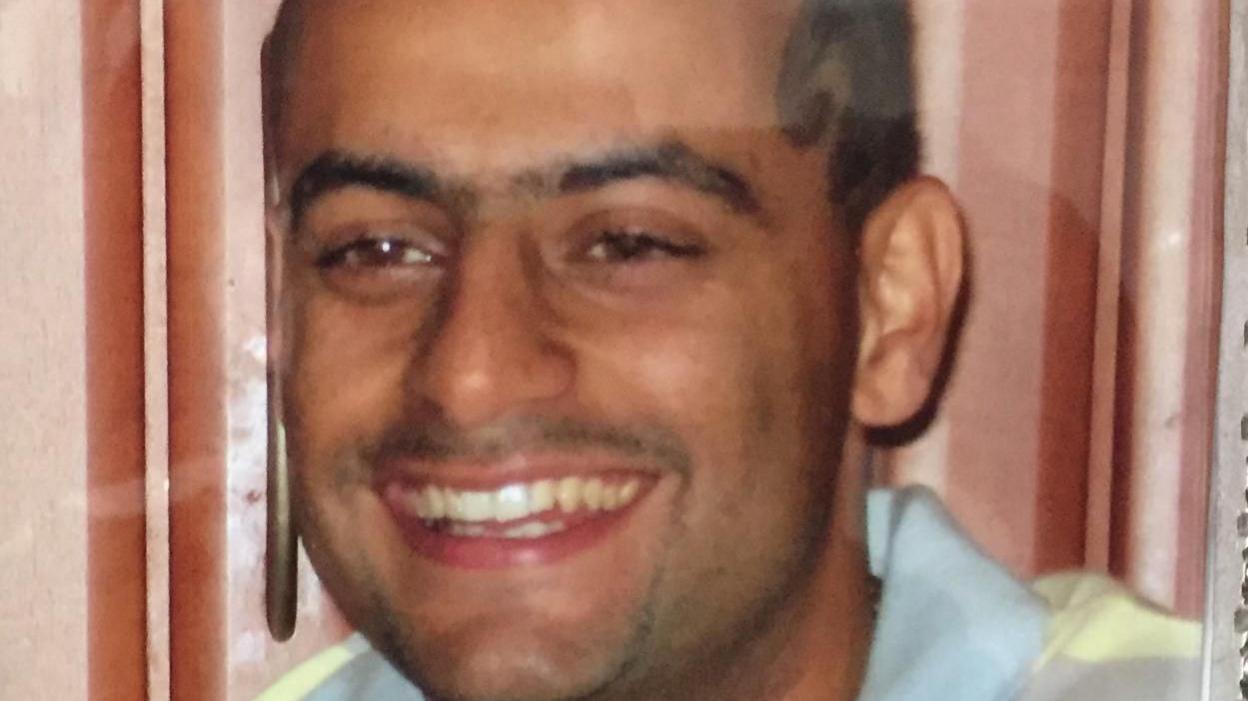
[113, 203]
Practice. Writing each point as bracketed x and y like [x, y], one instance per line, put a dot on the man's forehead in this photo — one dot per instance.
[482, 89]
[704, 63]
[519, 18]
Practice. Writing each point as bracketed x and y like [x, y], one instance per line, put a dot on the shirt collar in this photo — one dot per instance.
[953, 623]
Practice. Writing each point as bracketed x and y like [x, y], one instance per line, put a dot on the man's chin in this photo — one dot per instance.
[558, 617]
[508, 665]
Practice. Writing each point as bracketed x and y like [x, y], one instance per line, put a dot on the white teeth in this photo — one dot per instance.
[466, 530]
[610, 497]
[415, 501]
[454, 505]
[511, 503]
[434, 504]
[518, 501]
[534, 530]
[476, 506]
[592, 494]
[569, 494]
[542, 497]
[629, 491]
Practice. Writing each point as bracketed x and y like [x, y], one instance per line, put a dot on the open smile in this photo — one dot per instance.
[516, 523]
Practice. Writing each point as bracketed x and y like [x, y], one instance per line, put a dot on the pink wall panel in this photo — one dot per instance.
[1022, 148]
[1005, 149]
[1075, 431]
[44, 595]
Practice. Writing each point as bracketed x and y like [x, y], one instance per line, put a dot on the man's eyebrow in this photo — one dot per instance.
[671, 160]
[335, 170]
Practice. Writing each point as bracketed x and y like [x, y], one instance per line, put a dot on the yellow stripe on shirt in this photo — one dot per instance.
[1096, 620]
[311, 674]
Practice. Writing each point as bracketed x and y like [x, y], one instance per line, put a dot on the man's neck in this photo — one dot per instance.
[831, 640]
[829, 649]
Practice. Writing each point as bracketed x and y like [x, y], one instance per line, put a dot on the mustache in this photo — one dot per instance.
[436, 441]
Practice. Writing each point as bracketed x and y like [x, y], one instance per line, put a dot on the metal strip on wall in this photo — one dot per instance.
[155, 344]
[1226, 618]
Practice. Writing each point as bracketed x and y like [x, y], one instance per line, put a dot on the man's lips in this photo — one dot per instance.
[508, 520]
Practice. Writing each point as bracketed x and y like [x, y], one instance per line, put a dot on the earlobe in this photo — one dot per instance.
[910, 276]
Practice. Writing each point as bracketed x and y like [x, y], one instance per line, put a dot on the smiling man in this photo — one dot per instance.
[587, 306]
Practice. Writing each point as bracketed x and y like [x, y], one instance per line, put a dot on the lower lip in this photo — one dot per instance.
[501, 553]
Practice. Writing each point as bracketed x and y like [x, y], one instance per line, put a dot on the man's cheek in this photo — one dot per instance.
[348, 383]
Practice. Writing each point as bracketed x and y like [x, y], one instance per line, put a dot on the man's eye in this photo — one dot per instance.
[635, 247]
[376, 253]
[380, 269]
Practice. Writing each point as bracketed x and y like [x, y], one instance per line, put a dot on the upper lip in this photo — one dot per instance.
[496, 472]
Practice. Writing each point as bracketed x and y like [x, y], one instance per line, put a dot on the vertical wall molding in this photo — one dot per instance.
[1098, 537]
[1075, 246]
[198, 435]
[113, 255]
[1167, 317]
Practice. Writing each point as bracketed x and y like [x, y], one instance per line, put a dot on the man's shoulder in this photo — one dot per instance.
[955, 623]
[1104, 642]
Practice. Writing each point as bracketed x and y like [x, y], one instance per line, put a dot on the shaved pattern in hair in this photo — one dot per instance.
[847, 83]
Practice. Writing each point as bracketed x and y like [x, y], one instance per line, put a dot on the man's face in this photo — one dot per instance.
[571, 336]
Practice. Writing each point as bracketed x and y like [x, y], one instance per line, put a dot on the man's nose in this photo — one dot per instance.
[491, 350]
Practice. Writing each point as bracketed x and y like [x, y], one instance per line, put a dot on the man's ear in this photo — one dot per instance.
[910, 276]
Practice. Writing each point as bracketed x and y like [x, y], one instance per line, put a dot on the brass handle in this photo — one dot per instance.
[281, 564]
[281, 583]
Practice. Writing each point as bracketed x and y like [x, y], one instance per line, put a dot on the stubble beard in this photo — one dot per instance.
[395, 640]
[366, 605]
[737, 661]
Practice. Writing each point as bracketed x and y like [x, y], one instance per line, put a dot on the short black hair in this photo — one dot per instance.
[274, 59]
[846, 83]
